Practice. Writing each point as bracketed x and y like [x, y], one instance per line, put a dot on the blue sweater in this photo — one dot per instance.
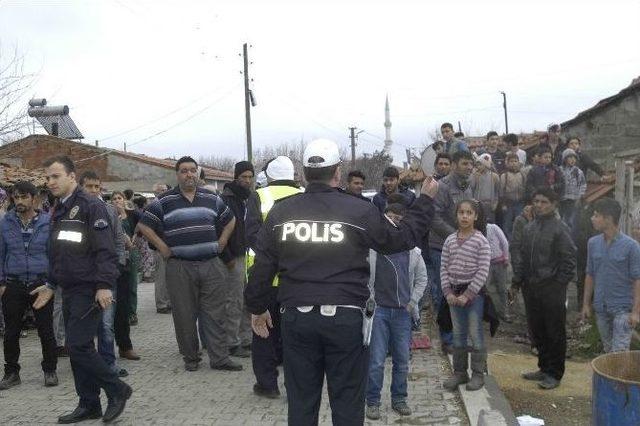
[26, 263]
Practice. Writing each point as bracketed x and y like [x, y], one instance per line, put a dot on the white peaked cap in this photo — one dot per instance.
[280, 168]
[321, 153]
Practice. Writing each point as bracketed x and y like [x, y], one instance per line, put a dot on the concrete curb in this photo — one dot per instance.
[487, 406]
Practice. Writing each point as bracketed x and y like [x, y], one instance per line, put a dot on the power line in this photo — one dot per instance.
[133, 129]
[189, 118]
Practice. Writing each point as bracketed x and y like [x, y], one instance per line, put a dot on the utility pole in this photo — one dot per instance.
[459, 127]
[352, 136]
[247, 101]
[504, 105]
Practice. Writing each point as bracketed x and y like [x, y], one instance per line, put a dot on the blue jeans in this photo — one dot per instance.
[391, 330]
[433, 270]
[509, 216]
[615, 330]
[467, 323]
[106, 336]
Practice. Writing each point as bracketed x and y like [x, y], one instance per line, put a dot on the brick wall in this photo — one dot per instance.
[33, 150]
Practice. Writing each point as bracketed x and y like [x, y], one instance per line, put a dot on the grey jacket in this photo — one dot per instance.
[450, 192]
[118, 234]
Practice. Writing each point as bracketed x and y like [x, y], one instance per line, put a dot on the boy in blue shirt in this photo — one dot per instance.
[613, 278]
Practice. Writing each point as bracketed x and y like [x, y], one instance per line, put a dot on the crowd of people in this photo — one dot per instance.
[320, 279]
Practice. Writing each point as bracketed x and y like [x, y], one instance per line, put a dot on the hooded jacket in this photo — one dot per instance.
[394, 292]
[29, 263]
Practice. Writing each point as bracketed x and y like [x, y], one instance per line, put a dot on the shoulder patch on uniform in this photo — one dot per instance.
[101, 224]
[74, 212]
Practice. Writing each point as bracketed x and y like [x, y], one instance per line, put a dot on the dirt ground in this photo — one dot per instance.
[569, 404]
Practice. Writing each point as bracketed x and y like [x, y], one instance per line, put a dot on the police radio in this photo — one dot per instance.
[367, 320]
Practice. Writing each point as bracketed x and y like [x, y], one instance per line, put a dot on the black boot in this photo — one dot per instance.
[10, 380]
[460, 366]
[478, 367]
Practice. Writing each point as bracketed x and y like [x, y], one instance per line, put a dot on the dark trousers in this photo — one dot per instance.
[266, 354]
[90, 372]
[15, 301]
[315, 345]
[121, 326]
[546, 317]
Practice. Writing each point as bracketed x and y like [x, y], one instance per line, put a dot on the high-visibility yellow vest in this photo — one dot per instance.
[268, 197]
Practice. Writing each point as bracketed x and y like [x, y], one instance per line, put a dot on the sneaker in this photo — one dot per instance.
[122, 372]
[133, 319]
[372, 412]
[534, 375]
[10, 380]
[401, 408]
[549, 383]
[50, 379]
[266, 393]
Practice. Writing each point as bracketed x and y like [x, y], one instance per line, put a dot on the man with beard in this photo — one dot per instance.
[24, 265]
[235, 195]
[391, 185]
[190, 226]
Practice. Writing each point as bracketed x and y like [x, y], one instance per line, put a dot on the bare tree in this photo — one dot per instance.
[372, 165]
[294, 150]
[15, 83]
[219, 163]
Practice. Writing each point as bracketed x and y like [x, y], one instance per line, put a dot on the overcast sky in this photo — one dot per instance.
[172, 68]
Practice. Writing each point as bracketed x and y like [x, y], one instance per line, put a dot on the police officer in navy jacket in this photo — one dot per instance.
[318, 242]
[83, 261]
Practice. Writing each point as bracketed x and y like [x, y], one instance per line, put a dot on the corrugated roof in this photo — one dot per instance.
[627, 91]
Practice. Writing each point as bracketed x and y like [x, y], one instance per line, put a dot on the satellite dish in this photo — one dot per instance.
[427, 160]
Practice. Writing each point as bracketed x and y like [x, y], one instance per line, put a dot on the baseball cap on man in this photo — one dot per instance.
[321, 153]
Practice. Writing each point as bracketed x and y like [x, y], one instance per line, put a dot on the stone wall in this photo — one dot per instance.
[611, 130]
[127, 169]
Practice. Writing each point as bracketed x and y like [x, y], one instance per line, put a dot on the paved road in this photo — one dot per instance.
[165, 394]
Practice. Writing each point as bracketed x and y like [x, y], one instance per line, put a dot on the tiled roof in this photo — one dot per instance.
[627, 91]
[12, 174]
[210, 173]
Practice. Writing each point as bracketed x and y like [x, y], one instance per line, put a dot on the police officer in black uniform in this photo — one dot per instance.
[318, 243]
[83, 262]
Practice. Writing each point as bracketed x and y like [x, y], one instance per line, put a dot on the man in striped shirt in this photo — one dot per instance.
[190, 226]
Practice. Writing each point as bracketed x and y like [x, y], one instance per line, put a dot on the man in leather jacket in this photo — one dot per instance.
[545, 265]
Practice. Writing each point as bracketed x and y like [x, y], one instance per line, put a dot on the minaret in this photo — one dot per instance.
[387, 127]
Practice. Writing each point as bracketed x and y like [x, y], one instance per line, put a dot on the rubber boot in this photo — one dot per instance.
[478, 368]
[460, 365]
